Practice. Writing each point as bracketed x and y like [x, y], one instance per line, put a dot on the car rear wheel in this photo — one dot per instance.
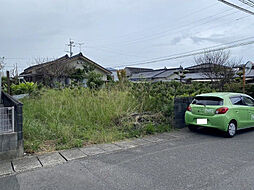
[232, 128]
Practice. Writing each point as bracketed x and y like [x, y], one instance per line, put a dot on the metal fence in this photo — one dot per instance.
[6, 119]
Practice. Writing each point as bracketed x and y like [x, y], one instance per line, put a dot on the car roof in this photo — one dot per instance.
[223, 94]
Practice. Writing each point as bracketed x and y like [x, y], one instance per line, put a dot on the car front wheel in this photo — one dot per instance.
[232, 128]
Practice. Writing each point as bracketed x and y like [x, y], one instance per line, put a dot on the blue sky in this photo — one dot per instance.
[120, 32]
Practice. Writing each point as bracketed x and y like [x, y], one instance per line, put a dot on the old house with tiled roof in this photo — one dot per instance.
[58, 67]
[135, 70]
[156, 75]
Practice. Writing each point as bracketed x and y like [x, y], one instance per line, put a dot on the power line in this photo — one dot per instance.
[178, 19]
[249, 3]
[112, 52]
[237, 7]
[17, 58]
[188, 28]
[242, 17]
[187, 54]
[228, 43]
[168, 30]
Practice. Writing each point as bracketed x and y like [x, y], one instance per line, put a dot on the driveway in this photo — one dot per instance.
[181, 160]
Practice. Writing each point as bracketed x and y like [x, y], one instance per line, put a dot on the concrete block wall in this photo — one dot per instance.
[180, 106]
[11, 144]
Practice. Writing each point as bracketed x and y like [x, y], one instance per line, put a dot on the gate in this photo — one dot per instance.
[6, 120]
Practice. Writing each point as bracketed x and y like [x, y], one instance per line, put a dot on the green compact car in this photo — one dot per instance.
[228, 112]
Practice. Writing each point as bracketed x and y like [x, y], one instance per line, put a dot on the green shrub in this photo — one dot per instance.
[23, 88]
[159, 96]
[94, 80]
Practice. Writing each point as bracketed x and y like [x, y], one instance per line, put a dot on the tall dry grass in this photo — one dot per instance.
[66, 118]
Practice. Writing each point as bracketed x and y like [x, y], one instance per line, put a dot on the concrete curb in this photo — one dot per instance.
[28, 163]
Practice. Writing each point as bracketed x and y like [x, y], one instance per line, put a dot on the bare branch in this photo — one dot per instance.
[217, 66]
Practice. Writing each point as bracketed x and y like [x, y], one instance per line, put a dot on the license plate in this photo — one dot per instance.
[201, 121]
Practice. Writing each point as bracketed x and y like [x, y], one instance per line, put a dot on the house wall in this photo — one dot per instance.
[128, 72]
[114, 74]
[77, 64]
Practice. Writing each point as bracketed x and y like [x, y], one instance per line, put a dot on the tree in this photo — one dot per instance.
[80, 74]
[63, 70]
[121, 74]
[218, 67]
[1, 63]
[50, 70]
[94, 80]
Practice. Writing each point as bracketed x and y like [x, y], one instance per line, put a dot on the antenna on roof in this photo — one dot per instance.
[71, 45]
[80, 46]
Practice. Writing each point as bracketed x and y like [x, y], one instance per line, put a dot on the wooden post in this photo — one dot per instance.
[8, 82]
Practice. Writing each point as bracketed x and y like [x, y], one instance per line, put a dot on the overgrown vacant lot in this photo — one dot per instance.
[59, 119]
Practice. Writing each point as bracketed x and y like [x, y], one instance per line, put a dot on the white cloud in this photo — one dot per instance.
[143, 28]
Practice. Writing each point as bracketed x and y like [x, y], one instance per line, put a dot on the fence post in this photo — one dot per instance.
[8, 82]
[13, 122]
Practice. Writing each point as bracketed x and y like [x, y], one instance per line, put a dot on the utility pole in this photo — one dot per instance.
[244, 78]
[71, 45]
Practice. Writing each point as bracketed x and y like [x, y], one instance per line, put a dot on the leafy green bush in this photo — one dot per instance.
[94, 80]
[159, 96]
[23, 88]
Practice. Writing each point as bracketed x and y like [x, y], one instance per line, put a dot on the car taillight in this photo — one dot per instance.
[189, 108]
[222, 110]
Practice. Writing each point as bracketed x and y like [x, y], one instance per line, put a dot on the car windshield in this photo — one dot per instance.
[207, 101]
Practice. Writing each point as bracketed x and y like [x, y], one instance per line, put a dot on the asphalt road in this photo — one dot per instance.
[202, 160]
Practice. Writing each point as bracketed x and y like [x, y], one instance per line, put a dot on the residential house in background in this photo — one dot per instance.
[135, 70]
[250, 77]
[189, 74]
[58, 69]
[157, 75]
[196, 73]
[114, 73]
